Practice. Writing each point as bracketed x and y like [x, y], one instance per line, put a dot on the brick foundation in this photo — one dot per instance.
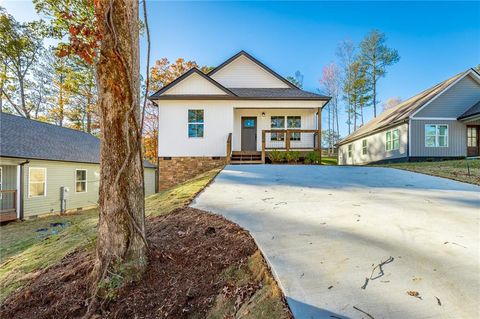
[176, 170]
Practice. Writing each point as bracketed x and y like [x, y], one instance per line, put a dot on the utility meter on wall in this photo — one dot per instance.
[63, 198]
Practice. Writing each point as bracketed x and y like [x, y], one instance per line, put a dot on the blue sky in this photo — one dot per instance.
[434, 39]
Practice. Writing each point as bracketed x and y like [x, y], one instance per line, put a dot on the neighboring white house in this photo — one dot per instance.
[441, 122]
[204, 119]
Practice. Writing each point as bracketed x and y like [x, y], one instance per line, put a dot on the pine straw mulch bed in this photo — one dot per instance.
[189, 250]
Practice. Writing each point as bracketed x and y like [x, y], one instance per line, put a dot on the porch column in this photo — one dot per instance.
[319, 134]
[263, 146]
[19, 191]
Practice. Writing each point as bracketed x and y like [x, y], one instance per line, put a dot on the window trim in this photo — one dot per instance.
[197, 123]
[437, 145]
[392, 140]
[364, 146]
[469, 137]
[86, 180]
[285, 127]
[272, 139]
[294, 128]
[29, 181]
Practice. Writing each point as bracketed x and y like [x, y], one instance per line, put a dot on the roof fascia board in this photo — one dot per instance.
[225, 97]
[368, 133]
[435, 118]
[471, 71]
[186, 75]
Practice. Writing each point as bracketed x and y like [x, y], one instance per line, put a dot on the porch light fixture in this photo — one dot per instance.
[263, 114]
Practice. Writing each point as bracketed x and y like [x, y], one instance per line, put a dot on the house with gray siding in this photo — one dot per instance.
[46, 168]
[442, 122]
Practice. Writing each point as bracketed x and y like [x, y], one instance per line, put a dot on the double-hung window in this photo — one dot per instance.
[80, 181]
[294, 122]
[364, 147]
[392, 140]
[195, 123]
[436, 135]
[37, 181]
[277, 123]
[350, 150]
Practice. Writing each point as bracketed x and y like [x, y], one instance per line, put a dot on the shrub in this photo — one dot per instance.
[312, 158]
[293, 156]
[276, 156]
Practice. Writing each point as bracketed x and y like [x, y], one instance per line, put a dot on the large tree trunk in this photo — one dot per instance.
[121, 246]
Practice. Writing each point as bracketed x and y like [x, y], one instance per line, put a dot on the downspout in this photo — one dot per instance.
[409, 122]
[20, 191]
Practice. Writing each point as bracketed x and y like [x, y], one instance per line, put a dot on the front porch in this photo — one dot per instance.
[9, 198]
[260, 130]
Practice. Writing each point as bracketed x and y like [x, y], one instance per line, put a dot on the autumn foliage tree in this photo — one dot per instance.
[105, 33]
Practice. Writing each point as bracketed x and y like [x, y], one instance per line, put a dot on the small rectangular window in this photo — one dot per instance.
[392, 140]
[195, 123]
[80, 181]
[350, 149]
[294, 122]
[37, 181]
[277, 122]
[364, 147]
[436, 135]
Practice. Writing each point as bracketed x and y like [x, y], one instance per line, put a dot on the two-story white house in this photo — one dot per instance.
[236, 112]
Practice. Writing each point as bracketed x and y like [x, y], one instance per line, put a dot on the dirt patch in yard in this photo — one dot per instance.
[200, 265]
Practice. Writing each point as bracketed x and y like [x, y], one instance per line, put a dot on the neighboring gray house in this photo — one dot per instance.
[439, 123]
[38, 160]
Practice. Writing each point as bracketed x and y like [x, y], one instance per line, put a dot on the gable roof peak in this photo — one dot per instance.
[254, 60]
[184, 76]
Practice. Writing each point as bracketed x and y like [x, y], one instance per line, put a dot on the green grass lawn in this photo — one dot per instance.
[24, 252]
[329, 160]
[457, 170]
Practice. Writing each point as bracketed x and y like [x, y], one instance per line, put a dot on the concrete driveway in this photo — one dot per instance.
[351, 242]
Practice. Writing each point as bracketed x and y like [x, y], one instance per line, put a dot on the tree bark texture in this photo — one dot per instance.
[121, 246]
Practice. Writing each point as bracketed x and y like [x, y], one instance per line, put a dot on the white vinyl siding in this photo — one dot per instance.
[373, 148]
[194, 84]
[37, 182]
[222, 118]
[244, 73]
[436, 135]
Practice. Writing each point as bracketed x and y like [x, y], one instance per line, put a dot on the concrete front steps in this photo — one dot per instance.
[246, 157]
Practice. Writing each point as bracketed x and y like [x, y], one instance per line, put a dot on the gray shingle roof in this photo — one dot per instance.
[276, 93]
[30, 139]
[474, 110]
